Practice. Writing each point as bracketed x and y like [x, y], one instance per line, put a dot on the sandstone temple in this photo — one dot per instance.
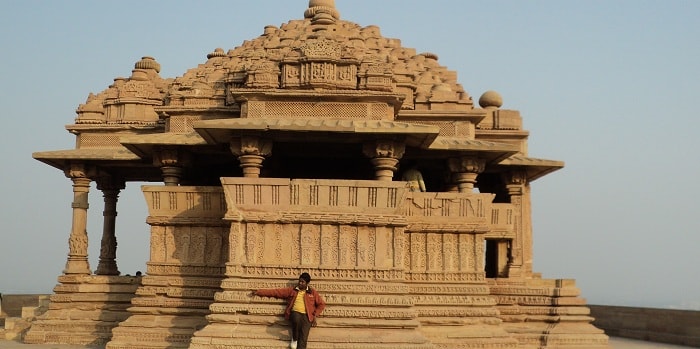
[322, 147]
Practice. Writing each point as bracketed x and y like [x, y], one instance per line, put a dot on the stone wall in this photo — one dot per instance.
[12, 303]
[680, 327]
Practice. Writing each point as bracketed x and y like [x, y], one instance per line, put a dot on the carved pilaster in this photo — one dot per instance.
[77, 262]
[251, 152]
[464, 172]
[110, 188]
[384, 155]
[171, 160]
[521, 246]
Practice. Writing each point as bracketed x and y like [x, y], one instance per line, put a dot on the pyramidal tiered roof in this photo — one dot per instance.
[320, 51]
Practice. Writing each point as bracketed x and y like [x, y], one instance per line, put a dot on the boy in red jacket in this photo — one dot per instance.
[304, 304]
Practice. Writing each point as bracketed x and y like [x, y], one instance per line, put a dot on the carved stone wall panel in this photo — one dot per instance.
[181, 124]
[317, 110]
[310, 248]
[330, 245]
[434, 252]
[479, 252]
[447, 213]
[182, 202]
[449, 251]
[384, 244]
[158, 244]
[284, 198]
[347, 242]
[99, 140]
[291, 76]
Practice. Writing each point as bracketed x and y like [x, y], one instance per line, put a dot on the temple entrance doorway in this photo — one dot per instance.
[496, 257]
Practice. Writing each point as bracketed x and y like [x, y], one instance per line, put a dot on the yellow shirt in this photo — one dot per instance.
[299, 305]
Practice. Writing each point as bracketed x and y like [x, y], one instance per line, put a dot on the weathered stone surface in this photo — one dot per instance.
[281, 156]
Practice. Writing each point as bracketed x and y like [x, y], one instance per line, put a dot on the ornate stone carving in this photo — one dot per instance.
[251, 153]
[465, 170]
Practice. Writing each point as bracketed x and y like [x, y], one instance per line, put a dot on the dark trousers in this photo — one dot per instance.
[300, 328]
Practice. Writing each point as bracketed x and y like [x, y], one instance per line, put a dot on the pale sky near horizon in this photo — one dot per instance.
[607, 86]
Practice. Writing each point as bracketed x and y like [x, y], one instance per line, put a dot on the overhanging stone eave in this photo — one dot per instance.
[143, 145]
[491, 152]
[533, 167]
[222, 130]
[473, 115]
[60, 159]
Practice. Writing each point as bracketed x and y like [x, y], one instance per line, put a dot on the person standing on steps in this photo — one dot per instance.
[304, 305]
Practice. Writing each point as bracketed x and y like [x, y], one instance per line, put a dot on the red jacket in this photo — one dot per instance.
[313, 301]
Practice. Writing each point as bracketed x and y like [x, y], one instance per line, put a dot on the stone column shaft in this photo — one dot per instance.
[521, 246]
[108, 247]
[77, 263]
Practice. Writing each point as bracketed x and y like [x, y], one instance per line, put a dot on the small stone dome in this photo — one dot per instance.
[491, 99]
[147, 63]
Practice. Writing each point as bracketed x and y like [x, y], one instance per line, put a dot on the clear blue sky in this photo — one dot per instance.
[609, 87]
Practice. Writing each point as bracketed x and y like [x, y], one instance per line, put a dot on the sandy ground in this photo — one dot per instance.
[615, 343]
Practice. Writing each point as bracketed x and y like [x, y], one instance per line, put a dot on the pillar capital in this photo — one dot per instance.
[465, 170]
[384, 149]
[171, 160]
[170, 156]
[251, 152]
[515, 180]
[251, 145]
[109, 183]
[466, 164]
[384, 155]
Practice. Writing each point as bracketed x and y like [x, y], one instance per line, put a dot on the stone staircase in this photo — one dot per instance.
[14, 328]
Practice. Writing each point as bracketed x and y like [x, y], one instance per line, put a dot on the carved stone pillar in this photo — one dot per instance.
[171, 161]
[464, 172]
[251, 152]
[521, 246]
[107, 264]
[384, 155]
[77, 263]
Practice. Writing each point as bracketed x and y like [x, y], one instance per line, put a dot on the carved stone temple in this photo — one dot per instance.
[297, 152]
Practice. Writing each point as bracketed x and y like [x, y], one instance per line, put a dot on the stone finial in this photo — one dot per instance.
[491, 100]
[322, 12]
[218, 52]
[147, 63]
